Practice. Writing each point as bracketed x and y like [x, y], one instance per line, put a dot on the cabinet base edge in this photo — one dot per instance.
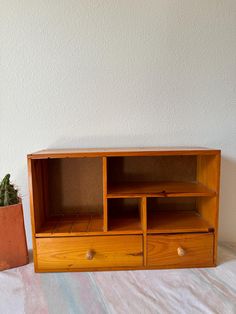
[38, 270]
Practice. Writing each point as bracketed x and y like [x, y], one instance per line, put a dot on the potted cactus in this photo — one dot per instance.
[13, 246]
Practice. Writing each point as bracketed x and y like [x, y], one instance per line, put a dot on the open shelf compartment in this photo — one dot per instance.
[125, 215]
[68, 196]
[176, 215]
[71, 225]
[162, 176]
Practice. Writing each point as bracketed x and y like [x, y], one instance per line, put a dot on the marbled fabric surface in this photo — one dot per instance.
[208, 290]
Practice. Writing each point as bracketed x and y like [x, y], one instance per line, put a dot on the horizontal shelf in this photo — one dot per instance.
[87, 225]
[71, 225]
[160, 189]
[168, 221]
[125, 225]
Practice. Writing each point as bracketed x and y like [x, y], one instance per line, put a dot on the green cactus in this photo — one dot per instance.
[8, 194]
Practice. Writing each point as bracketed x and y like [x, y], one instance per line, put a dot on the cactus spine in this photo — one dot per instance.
[8, 194]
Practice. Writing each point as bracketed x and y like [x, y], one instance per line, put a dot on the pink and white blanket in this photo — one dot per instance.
[206, 290]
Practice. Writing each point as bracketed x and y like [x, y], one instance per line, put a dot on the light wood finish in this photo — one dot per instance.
[122, 151]
[160, 189]
[36, 189]
[71, 225]
[88, 225]
[141, 208]
[180, 250]
[32, 210]
[89, 252]
[126, 224]
[207, 208]
[139, 169]
[75, 185]
[208, 172]
[172, 203]
[104, 176]
[169, 221]
[143, 213]
[124, 216]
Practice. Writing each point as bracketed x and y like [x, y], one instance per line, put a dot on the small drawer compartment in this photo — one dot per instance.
[180, 250]
[65, 254]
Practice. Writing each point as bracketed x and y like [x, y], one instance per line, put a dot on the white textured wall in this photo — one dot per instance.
[118, 73]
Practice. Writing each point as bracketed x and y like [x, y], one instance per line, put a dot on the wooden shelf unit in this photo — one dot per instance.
[137, 208]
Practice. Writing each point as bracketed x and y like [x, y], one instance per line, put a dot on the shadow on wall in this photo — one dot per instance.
[227, 215]
[136, 140]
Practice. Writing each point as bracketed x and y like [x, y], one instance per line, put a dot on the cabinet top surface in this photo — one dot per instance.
[125, 151]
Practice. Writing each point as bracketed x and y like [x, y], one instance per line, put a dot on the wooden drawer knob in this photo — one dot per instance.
[90, 254]
[180, 251]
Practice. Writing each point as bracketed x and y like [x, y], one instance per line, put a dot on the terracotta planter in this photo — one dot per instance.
[13, 246]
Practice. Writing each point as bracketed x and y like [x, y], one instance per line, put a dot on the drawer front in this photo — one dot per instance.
[183, 250]
[89, 252]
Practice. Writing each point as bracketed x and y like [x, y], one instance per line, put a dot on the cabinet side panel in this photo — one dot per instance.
[35, 179]
[208, 173]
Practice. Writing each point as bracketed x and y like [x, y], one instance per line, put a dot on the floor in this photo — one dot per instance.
[208, 290]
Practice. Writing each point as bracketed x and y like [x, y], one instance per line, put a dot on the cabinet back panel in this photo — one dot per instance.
[173, 203]
[153, 168]
[75, 185]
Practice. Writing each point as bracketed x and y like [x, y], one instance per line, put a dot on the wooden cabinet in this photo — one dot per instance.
[131, 208]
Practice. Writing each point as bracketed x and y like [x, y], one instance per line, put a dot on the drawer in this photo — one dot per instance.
[89, 252]
[182, 250]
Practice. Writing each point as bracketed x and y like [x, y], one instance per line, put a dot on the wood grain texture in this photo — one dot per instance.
[139, 169]
[75, 185]
[122, 268]
[125, 151]
[70, 253]
[104, 182]
[36, 185]
[174, 221]
[143, 210]
[104, 205]
[71, 225]
[160, 189]
[208, 171]
[127, 224]
[162, 250]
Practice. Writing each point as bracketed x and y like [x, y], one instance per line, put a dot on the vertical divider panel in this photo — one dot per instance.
[143, 217]
[143, 212]
[104, 179]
